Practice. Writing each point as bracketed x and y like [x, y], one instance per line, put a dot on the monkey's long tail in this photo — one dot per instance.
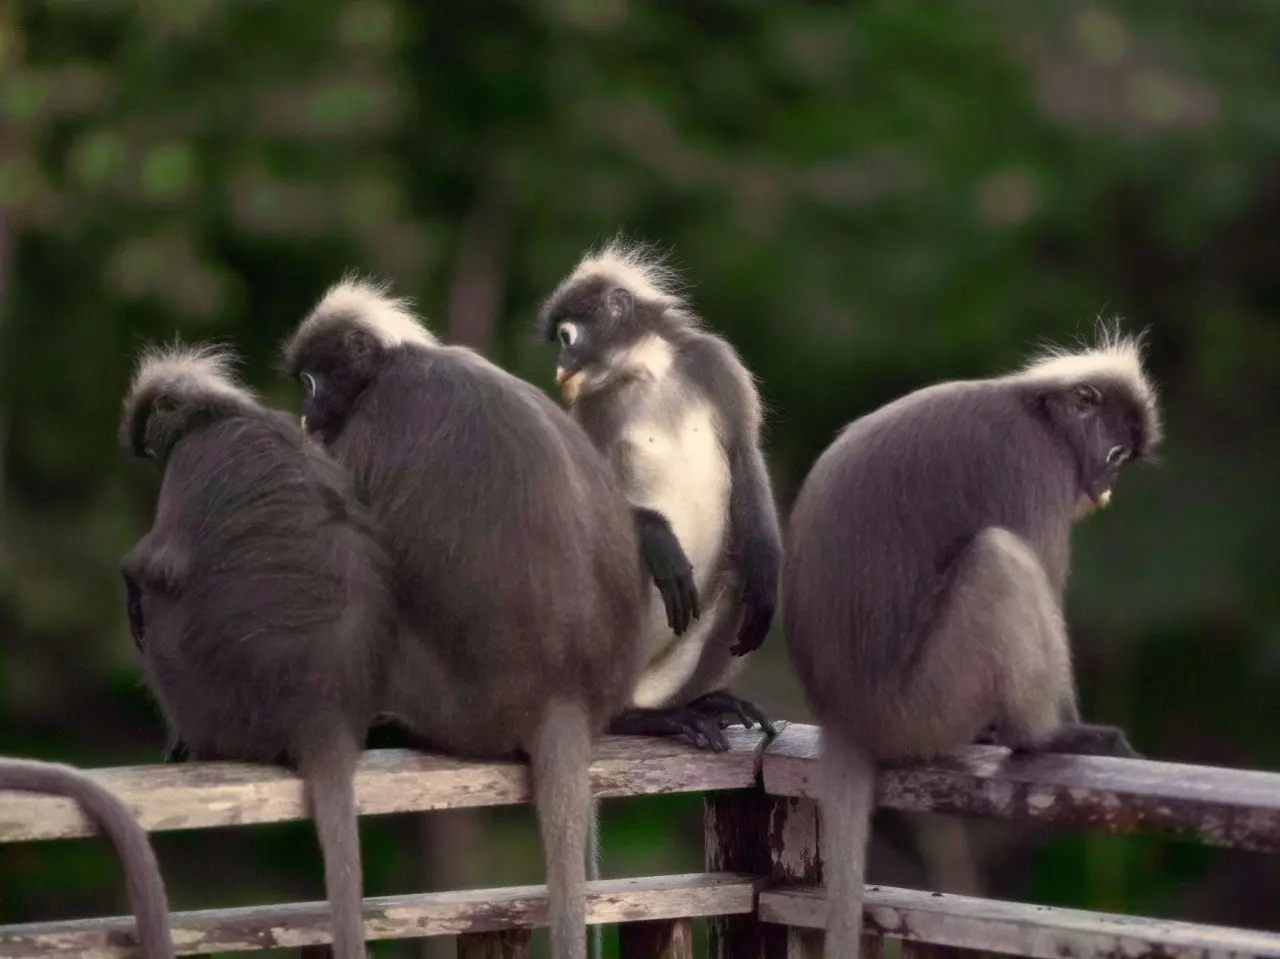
[560, 759]
[848, 794]
[330, 778]
[145, 885]
[595, 934]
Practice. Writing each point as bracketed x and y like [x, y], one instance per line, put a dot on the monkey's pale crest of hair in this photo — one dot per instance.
[388, 319]
[1114, 354]
[203, 369]
[636, 266]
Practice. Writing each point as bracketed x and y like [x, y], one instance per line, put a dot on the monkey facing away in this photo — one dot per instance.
[109, 813]
[923, 583]
[678, 417]
[516, 561]
[260, 597]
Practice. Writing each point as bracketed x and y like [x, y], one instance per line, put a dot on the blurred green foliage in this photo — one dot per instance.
[864, 197]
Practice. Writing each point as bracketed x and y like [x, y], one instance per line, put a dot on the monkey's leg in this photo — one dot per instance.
[996, 654]
[176, 751]
[1076, 737]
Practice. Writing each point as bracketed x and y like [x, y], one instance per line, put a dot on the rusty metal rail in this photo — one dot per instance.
[761, 893]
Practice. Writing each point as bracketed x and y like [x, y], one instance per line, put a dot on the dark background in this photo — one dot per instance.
[865, 198]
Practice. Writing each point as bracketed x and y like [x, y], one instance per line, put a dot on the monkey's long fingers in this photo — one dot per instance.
[671, 600]
[692, 601]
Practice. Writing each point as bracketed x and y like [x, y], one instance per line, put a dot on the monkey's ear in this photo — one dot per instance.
[618, 303]
[359, 344]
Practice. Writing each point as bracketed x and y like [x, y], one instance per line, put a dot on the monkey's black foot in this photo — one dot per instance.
[702, 730]
[176, 751]
[722, 701]
[1086, 739]
[989, 735]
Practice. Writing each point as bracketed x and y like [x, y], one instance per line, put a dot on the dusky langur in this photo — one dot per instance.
[676, 413]
[927, 555]
[107, 811]
[516, 560]
[260, 597]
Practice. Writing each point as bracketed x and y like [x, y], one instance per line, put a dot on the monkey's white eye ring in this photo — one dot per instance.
[308, 383]
[1117, 455]
[568, 333]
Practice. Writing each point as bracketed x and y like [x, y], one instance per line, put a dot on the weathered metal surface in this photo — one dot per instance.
[393, 917]
[1217, 806]
[204, 795]
[1039, 932]
[656, 939]
[512, 944]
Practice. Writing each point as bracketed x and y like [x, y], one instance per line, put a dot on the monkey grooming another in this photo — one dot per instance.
[516, 560]
[114, 819]
[260, 598]
[677, 415]
[924, 578]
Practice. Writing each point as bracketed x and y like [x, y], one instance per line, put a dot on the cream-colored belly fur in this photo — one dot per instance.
[680, 471]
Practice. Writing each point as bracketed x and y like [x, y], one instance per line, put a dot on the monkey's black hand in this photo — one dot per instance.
[670, 568]
[759, 597]
[133, 604]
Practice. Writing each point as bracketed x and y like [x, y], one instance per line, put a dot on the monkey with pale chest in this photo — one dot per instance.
[678, 416]
[928, 551]
[260, 598]
[515, 559]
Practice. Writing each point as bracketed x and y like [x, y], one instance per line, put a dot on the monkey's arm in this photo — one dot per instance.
[757, 541]
[156, 564]
[670, 568]
[133, 605]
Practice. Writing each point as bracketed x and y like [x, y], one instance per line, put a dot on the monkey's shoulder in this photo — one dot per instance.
[711, 365]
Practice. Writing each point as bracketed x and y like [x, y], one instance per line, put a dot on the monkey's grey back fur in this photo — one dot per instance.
[516, 565]
[109, 813]
[263, 602]
[927, 555]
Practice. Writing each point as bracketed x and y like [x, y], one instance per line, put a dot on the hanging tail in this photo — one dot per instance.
[595, 933]
[560, 759]
[330, 779]
[848, 797]
[146, 890]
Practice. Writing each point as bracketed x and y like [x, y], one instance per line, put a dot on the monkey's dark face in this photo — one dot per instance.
[1106, 425]
[159, 420]
[592, 325]
[333, 368]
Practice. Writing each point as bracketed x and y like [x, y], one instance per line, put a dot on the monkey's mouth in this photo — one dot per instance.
[570, 383]
[1090, 502]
